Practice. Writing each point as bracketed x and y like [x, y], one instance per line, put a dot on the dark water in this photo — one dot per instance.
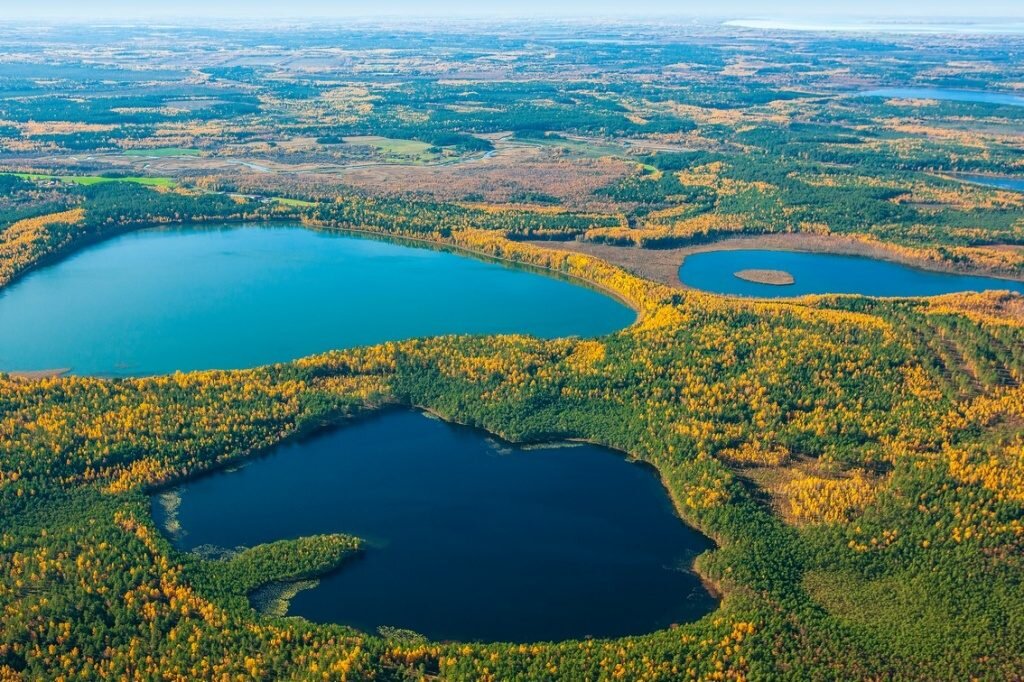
[948, 95]
[468, 539]
[201, 298]
[819, 273]
[997, 181]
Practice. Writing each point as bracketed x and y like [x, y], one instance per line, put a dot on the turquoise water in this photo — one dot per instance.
[201, 298]
[467, 538]
[819, 273]
[947, 94]
[998, 181]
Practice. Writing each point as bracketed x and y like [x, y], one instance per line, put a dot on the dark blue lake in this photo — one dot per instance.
[948, 95]
[203, 298]
[819, 273]
[468, 538]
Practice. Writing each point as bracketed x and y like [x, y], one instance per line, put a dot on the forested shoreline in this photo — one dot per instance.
[857, 461]
[841, 408]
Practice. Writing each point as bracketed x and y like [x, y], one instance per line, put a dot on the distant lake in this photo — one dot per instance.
[947, 94]
[821, 273]
[966, 27]
[997, 181]
[468, 538]
[192, 298]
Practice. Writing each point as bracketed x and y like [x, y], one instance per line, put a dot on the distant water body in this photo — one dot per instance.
[947, 95]
[997, 181]
[979, 28]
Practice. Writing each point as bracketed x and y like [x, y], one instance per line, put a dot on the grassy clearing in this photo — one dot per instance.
[163, 151]
[293, 202]
[390, 145]
[590, 149]
[97, 179]
[395, 150]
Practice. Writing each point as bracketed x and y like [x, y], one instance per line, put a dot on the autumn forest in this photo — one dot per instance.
[855, 463]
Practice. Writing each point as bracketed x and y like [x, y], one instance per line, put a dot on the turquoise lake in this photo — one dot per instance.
[467, 538]
[191, 298]
[948, 95]
[819, 273]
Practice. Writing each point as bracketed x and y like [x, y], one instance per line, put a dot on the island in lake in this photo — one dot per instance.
[779, 278]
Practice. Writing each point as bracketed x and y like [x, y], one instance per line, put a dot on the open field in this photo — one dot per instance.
[163, 151]
[390, 146]
[97, 179]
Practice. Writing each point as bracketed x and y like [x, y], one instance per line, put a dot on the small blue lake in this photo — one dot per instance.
[191, 298]
[467, 538]
[997, 181]
[819, 273]
[948, 95]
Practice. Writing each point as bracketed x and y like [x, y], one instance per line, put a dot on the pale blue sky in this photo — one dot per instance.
[255, 9]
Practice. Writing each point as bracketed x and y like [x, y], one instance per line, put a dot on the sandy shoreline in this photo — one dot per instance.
[32, 375]
[662, 265]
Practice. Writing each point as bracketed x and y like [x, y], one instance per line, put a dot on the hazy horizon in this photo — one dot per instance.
[129, 10]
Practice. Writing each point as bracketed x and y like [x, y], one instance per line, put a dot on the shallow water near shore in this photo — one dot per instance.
[468, 538]
[822, 273]
[190, 298]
